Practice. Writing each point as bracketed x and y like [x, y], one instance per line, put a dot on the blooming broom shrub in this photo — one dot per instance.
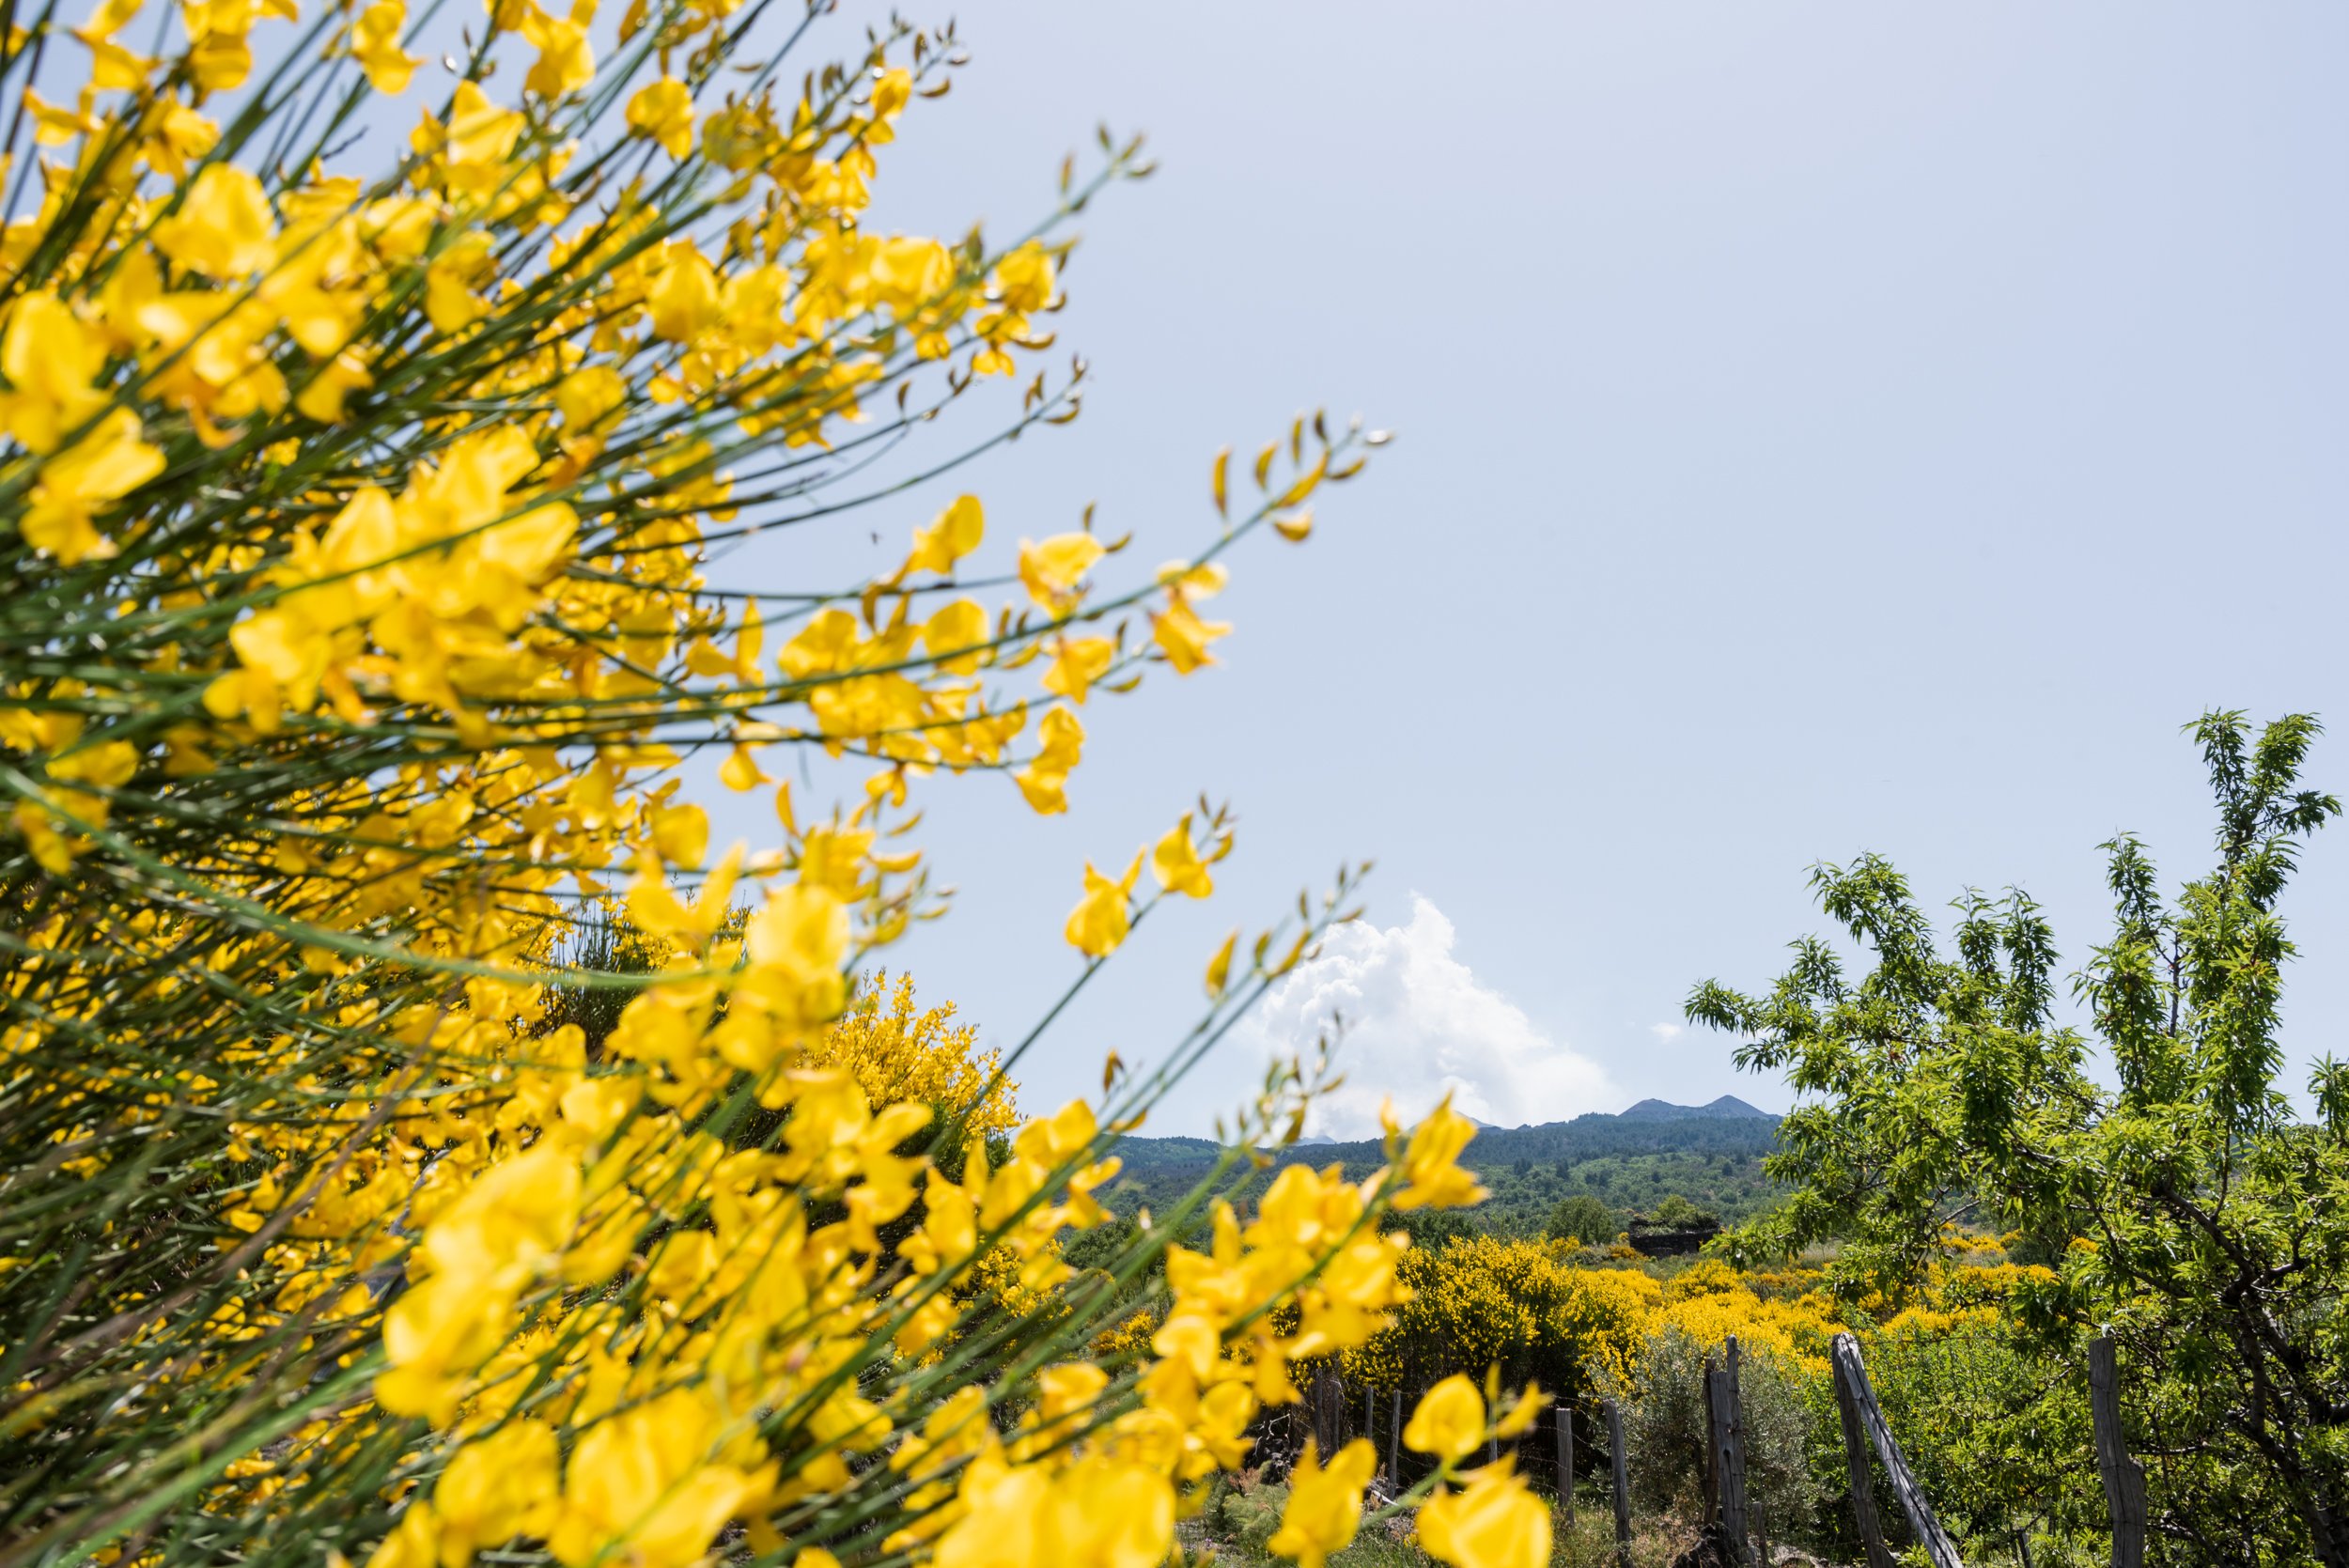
[1479, 1302]
[380, 522]
[897, 1053]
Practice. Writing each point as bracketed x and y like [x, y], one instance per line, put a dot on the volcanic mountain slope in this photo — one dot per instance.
[1710, 1155]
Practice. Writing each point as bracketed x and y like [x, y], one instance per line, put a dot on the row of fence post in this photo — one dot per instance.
[2123, 1477]
[1329, 1397]
[1734, 1514]
[1739, 1516]
[1617, 1462]
[1735, 1517]
[1864, 1426]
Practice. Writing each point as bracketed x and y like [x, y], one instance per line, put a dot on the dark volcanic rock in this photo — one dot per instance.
[1671, 1241]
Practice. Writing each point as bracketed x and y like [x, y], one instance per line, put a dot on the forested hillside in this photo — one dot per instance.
[1711, 1156]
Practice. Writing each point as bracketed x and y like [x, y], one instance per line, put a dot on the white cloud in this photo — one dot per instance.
[1666, 1033]
[1418, 1023]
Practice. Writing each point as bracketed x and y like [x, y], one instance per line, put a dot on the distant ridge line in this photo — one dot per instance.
[1661, 1110]
[1727, 1125]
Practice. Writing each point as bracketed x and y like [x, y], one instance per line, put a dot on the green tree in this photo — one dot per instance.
[1583, 1218]
[2189, 1211]
[1676, 1210]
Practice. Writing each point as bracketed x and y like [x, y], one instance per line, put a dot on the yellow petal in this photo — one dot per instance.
[1220, 967]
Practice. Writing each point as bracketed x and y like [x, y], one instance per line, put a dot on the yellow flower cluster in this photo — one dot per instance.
[898, 1055]
[1074, 1487]
[540, 561]
[758, 1309]
[367, 522]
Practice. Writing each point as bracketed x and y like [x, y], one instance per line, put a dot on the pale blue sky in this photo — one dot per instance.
[1821, 428]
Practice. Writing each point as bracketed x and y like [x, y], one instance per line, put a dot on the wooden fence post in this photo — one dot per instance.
[1565, 1459]
[1712, 1444]
[1395, 1434]
[1328, 1409]
[2125, 1478]
[1922, 1522]
[1863, 1498]
[1729, 1443]
[1623, 1483]
[1760, 1534]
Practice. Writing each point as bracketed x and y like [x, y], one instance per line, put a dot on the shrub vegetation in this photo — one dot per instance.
[421, 1140]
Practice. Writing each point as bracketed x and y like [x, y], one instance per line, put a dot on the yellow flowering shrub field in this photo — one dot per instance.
[2003, 1449]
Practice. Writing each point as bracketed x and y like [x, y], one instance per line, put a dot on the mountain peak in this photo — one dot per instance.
[1664, 1111]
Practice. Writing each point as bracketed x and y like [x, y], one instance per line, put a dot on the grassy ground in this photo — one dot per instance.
[1241, 1518]
[1589, 1543]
